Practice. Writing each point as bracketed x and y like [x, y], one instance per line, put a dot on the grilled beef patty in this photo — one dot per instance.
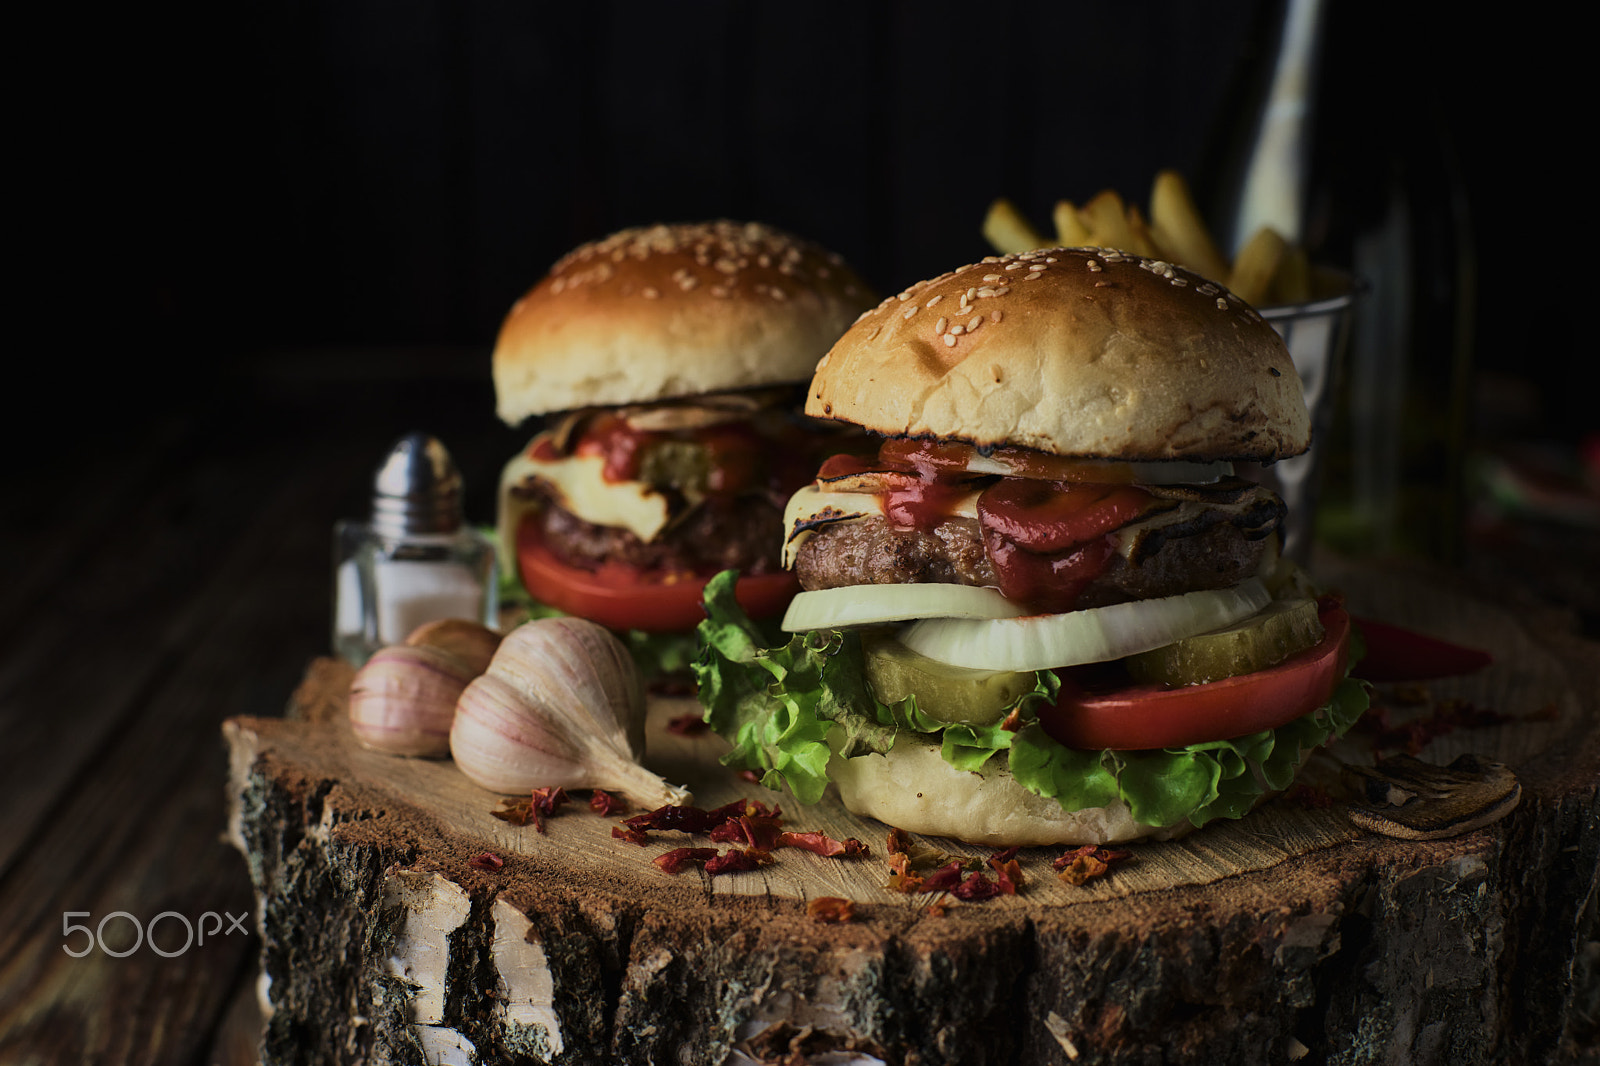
[1198, 554]
[744, 533]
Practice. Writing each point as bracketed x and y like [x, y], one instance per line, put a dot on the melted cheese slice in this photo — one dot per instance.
[579, 485]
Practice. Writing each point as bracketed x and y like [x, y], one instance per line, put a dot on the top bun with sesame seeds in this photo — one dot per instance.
[1080, 352]
[668, 311]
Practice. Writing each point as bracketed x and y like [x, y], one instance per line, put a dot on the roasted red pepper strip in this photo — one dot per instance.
[1396, 654]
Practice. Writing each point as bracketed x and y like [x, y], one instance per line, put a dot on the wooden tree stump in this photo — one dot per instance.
[1291, 934]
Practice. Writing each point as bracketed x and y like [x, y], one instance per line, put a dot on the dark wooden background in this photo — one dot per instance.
[208, 183]
[255, 242]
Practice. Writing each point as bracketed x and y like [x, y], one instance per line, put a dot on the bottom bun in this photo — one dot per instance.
[914, 789]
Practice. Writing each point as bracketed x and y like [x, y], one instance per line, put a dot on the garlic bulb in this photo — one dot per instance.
[472, 642]
[403, 700]
[561, 705]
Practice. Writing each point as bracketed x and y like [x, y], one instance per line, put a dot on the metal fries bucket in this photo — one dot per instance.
[1317, 334]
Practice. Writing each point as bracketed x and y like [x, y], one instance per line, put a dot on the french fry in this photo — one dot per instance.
[1255, 266]
[1183, 233]
[1143, 241]
[1268, 270]
[1107, 220]
[1006, 229]
[1293, 283]
[1070, 230]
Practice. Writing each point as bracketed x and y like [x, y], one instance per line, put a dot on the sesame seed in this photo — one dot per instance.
[956, 331]
[1095, 267]
[558, 284]
[1222, 305]
[974, 322]
[993, 277]
[1274, 371]
[1035, 276]
[994, 316]
[651, 293]
[939, 326]
[933, 301]
[687, 282]
[778, 294]
[905, 296]
[949, 340]
[1014, 266]
[972, 292]
[719, 291]
[913, 309]
[874, 332]
[727, 265]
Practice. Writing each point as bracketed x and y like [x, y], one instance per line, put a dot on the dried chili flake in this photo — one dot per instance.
[687, 725]
[831, 909]
[1412, 736]
[976, 888]
[736, 860]
[543, 804]
[1008, 872]
[632, 836]
[683, 818]
[824, 845]
[518, 812]
[944, 879]
[605, 804]
[1080, 865]
[759, 831]
[487, 861]
[680, 859]
[898, 842]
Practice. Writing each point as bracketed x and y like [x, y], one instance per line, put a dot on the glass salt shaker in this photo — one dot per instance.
[415, 561]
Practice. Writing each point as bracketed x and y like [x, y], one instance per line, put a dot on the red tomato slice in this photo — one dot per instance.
[625, 597]
[1154, 716]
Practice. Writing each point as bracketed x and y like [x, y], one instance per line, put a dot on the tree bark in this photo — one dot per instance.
[1288, 935]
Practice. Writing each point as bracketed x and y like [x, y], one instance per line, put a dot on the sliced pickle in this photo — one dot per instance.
[952, 694]
[678, 464]
[1269, 636]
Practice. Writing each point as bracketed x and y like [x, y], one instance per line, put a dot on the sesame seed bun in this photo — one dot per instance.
[1077, 351]
[664, 311]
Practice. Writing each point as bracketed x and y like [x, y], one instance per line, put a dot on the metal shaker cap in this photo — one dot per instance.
[417, 489]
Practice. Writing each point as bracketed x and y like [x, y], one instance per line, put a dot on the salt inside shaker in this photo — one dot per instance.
[415, 561]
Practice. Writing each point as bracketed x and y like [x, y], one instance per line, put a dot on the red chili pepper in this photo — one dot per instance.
[1396, 654]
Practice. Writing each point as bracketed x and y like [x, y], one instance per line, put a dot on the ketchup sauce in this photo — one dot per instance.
[742, 455]
[1046, 539]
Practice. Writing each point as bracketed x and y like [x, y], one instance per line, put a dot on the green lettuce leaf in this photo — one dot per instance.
[778, 705]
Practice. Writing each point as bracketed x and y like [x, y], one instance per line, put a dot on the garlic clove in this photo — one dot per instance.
[403, 700]
[472, 642]
[561, 705]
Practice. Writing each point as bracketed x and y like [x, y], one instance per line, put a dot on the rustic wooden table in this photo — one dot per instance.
[158, 574]
[165, 563]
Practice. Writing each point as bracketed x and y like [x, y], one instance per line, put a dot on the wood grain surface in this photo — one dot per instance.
[1357, 947]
